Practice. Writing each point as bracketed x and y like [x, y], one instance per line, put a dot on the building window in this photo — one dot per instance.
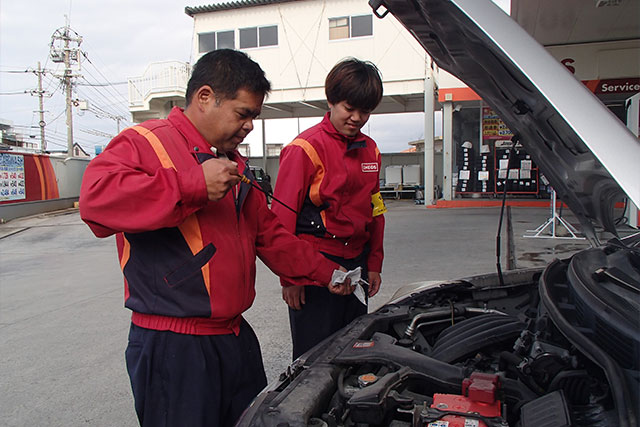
[274, 150]
[216, 40]
[225, 40]
[268, 35]
[350, 26]
[361, 26]
[258, 37]
[206, 42]
[248, 37]
[245, 149]
[338, 28]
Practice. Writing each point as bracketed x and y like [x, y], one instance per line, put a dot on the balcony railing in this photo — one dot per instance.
[160, 77]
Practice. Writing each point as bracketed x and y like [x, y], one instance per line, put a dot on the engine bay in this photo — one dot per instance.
[545, 348]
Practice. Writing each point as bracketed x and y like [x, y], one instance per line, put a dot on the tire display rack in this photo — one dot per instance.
[520, 171]
[483, 173]
[475, 171]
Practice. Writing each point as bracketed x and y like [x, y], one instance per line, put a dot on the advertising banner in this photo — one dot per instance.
[12, 177]
[492, 126]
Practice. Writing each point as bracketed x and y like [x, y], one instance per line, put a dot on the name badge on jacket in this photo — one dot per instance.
[369, 167]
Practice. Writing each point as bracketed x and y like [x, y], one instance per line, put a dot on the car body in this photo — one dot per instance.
[552, 346]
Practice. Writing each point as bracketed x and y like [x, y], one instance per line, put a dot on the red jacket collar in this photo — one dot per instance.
[328, 127]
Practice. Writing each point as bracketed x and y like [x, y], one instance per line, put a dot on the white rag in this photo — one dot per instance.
[340, 276]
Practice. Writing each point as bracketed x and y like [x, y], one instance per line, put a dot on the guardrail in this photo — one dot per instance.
[169, 76]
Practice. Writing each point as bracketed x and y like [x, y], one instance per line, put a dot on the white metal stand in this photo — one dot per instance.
[551, 221]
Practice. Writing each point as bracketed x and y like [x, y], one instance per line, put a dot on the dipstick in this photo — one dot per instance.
[246, 180]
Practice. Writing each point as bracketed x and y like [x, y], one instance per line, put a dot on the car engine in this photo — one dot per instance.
[552, 347]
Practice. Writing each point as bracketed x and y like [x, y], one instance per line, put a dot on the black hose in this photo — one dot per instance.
[341, 389]
[477, 333]
[514, 361]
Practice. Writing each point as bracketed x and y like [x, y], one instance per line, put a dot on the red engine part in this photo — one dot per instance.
[479, 397]
[481, 387]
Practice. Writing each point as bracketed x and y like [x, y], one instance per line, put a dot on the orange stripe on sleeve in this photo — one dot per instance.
[314, 189]
[157, 146]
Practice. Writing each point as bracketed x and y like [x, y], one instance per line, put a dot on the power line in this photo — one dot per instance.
[103, 76]
[104, 98]
[110, 90]
[96, 132]
[56, 118]
[53, 80]
[101, 84]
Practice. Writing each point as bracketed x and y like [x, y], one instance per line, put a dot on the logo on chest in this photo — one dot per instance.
[369, 167]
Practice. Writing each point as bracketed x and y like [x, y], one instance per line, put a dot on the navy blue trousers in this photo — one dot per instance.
[193, 380]
[323, 312]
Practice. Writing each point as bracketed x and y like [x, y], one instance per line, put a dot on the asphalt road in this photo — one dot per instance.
[63, 327]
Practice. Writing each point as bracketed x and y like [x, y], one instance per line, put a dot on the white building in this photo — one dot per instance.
[298, 42]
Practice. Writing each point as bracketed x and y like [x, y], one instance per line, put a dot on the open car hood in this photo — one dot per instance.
[589, 157]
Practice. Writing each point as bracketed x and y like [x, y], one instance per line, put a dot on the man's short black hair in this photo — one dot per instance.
[356, 82]
[226, 71]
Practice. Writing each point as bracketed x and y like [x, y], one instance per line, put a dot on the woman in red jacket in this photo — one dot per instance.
[330, 175]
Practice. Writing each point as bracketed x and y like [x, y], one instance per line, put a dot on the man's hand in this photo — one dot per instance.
[293, 296]
[344, 288]
[220, 175]
[374, 283]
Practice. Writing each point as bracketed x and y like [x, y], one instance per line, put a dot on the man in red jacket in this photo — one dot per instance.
[188, 233]
[330, 174]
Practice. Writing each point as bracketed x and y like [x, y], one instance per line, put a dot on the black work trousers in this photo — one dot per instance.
[323, 312]
[193, 380]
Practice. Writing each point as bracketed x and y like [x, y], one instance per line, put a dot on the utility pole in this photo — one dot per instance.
[61, 51]
[40, 93]
[43, 143]
[67, 86]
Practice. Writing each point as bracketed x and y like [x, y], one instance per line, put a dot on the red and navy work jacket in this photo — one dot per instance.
[333, 181]
[188, 263]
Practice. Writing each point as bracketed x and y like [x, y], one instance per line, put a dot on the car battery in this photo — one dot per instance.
[479, 400]
[462, 405]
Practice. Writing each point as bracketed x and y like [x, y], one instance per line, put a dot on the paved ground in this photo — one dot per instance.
[63, 328]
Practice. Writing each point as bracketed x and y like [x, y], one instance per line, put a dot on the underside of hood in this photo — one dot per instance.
[586, 153]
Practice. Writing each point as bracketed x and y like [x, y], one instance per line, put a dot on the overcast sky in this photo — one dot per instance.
[120, 39]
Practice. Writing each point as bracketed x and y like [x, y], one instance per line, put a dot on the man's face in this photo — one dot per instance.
[226, 122]
[346, 119]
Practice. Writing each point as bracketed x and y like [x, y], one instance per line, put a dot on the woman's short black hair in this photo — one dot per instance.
[356, 82]
[226, 71]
